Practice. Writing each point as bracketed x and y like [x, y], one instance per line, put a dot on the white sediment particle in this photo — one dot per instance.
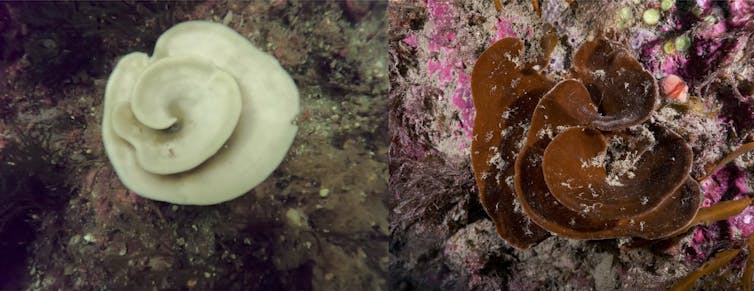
[517, 208]
[497, 159]
[644, 200]
[525, 127]
[646, 85]
[510, 181]
[594, 193]
[541, 133]
[505, 132]
[527, 221]
[737, 233]
[613, 181]
[535, 159]
[546, 131]
[516, 61]
[567, 184]
[507, 113]
[595, 162]
[599, 74]
[514, 83]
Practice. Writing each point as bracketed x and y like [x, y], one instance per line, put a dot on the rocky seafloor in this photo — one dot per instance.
[319, 222]
[440, 236]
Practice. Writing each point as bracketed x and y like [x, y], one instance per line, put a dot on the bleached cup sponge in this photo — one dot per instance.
[204, 120]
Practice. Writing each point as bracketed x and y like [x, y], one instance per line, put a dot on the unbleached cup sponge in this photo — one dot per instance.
[203, 120]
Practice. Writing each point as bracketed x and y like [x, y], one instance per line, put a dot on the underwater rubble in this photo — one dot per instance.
[441, 237]
[319, 222]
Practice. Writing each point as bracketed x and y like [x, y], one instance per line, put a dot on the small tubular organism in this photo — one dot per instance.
[581, 158]
[203, 120]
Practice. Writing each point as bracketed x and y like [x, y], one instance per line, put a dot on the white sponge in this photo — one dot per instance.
[204, 120]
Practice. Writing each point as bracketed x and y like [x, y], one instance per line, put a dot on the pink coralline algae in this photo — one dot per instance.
[450, 67]
[504, 30]
[444, 16]
[714, 40]
[411, 40]
[730, 183]
[450, 61]
[742, 12]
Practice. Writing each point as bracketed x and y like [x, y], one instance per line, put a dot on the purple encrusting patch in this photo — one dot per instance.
[742, 12]
[461, 98]
[739, 113]
[713, 46]
[742, 223]
[411, 40]
[443, 14]
[729, 183]
[450, 66]
[504, 29]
